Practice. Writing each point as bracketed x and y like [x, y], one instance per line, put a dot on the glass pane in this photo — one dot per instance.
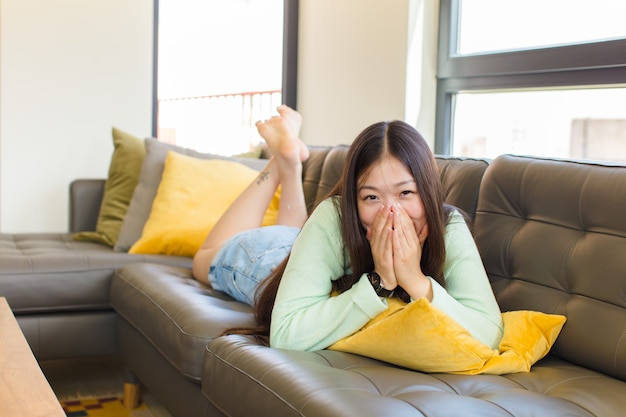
[219, 71]
[496, 25]
[579, 124]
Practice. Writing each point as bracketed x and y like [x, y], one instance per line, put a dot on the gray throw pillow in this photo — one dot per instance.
[149, 180]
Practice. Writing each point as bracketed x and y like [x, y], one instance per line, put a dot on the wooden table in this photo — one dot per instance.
[24, 390]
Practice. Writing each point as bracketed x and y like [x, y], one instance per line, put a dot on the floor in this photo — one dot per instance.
[93, 377]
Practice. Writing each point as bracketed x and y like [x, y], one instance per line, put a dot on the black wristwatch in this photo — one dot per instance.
[377, 283]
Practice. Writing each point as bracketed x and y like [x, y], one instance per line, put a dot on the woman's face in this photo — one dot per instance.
[387, 183]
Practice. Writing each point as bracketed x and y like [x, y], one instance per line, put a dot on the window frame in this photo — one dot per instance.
[291, 10]
[597, 64]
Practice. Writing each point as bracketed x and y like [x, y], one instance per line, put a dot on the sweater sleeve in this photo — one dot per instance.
[305, 316]
[468, 297]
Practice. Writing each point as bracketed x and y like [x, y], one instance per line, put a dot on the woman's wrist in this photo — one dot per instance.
[379, 286]
[420, 287]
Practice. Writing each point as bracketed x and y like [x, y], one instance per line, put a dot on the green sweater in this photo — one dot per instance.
[306, 317]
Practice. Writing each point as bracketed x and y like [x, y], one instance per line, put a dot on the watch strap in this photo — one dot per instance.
[377, 284]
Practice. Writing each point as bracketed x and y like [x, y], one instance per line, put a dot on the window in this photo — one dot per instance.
[222, 65]
[496, 25]
[532, 77]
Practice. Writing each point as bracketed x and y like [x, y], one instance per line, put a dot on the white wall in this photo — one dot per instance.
[70, 70]
[358, 59]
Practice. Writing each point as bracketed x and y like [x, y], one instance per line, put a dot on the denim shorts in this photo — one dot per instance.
[249, 257]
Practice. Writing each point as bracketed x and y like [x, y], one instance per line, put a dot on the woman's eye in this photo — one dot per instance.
[407, 192]
[370, 197]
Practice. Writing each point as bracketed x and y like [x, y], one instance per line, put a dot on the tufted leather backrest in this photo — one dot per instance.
[460, 177]
[312, 173]
[331, 172]
[552, 234]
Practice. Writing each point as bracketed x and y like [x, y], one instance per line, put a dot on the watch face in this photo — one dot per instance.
[377, 283]
[375, 280]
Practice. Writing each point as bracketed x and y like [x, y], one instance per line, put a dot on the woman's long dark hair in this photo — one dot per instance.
[401, 141]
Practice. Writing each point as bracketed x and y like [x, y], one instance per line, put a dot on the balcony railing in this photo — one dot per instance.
[222, 124]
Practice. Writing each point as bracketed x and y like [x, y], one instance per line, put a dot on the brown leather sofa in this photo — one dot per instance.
[552, 234]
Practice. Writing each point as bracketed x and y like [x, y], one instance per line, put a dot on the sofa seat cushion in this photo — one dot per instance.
[331, 383]
[178, 315]
[52, 273]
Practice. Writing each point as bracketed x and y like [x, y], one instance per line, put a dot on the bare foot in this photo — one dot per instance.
[280, 139]
[295, 122]
[293, 118]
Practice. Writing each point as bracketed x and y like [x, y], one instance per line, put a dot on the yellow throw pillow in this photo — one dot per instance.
[123, 177]
[192, 196]
[421, 337]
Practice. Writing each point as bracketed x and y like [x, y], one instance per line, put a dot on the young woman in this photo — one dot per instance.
[384, 231]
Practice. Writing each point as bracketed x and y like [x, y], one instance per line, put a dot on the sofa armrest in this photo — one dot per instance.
[85, 200]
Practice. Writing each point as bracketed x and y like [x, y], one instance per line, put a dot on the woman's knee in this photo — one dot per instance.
[202, 263]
